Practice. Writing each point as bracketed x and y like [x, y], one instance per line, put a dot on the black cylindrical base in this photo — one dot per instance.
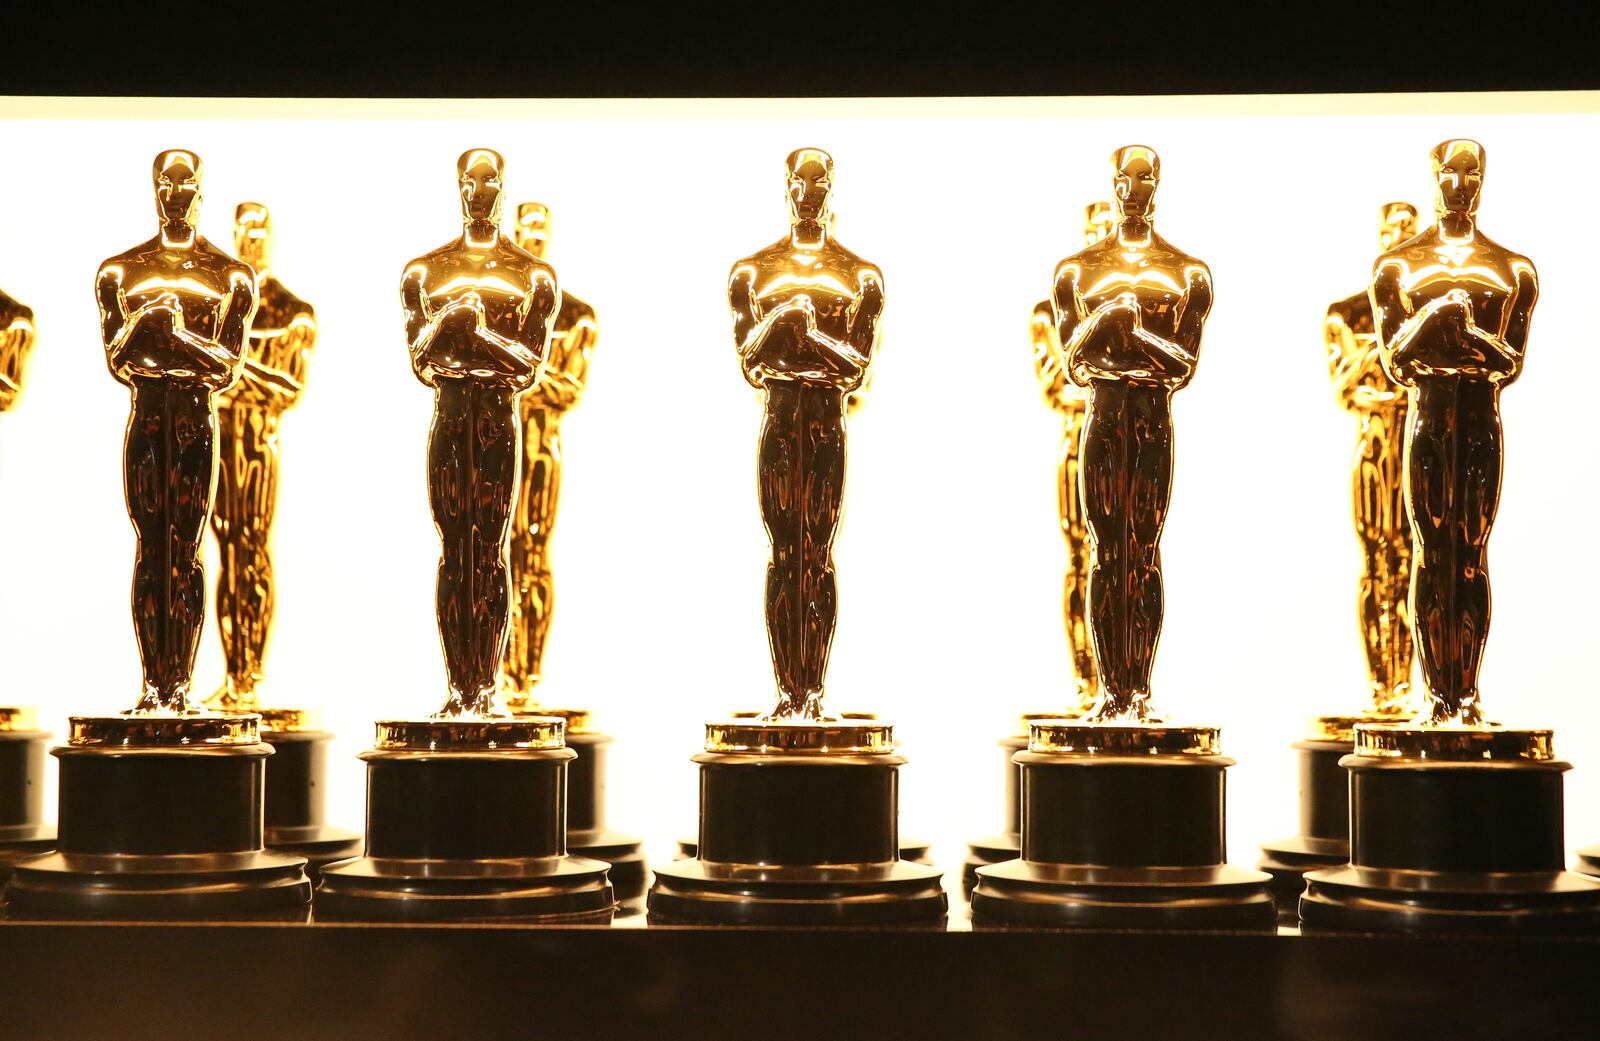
[1453, 846]
[587, 834]
[1005, 845]
[797, 840]
[161, 832]
[23, 833]
[296, 805]
[1324, 838]
[466, 836]
[1122, 842]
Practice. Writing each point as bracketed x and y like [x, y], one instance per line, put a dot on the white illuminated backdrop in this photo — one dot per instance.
[949, 558]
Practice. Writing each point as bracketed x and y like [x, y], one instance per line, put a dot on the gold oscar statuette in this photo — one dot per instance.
[276, 355]
[23, 832]
[1363, 387]
[1129, 310]
[466, 809]
[1456, 822]
[1069, 401]
[175, 316]
[787, 793]
[562, 383]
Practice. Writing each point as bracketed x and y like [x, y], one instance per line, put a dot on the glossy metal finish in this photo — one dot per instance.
[805, 318]
[761, 737]
[1452, 309]
[17, 334]
[1455, 823]
[1382, 525]
[479, 313]
[572, 340]
[1083, 737]
[279, 347]
[175, 312]
[1129, 312]
[1454, 744]
[531, 733]
[1067, 398]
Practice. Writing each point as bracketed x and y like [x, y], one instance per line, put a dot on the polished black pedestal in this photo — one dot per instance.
[161, 831]
[466, 835]
[1122, 842]
[587, 833]
[23, 833]
[296, 806]
[1442, 846]
[790, 839]
[1005, 845]
[1324, 837]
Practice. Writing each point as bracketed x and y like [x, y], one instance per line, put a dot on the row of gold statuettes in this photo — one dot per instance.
[1115, 817]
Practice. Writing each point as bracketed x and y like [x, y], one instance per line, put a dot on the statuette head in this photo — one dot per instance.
[176, 176]
[532, 230]
[1138, 172]
[1458, 172]
[252, 234]
[810, 186]
[480, 171]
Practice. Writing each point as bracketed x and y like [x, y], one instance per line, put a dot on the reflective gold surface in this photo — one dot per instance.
[1356, 365]
[479, 311]
[1342, 728]
[1068, 399]
[536, 733]
[1129, 311]
[1453, 743]
[150, 730]
[805, 318]
[17, 717]
[175, 312]
[279, 347]
[1452, 309]
[16, 344]
[288, 720]
[801, 737]
[566, 372]
[1085, 737]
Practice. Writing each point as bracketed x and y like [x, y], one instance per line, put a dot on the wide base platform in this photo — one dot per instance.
[991, 849]
[896, 893]
[915, 851]
[1072, 897]
[630, 875]
[390, 889]
[23, 844]
[1355, 899]
[1286, 861]
[253, 886]
[319, 845]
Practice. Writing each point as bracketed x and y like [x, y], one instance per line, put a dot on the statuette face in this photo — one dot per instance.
[479, 312]
[1129, 310]
[805, 314]
[175, 315]
[1452, 309]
